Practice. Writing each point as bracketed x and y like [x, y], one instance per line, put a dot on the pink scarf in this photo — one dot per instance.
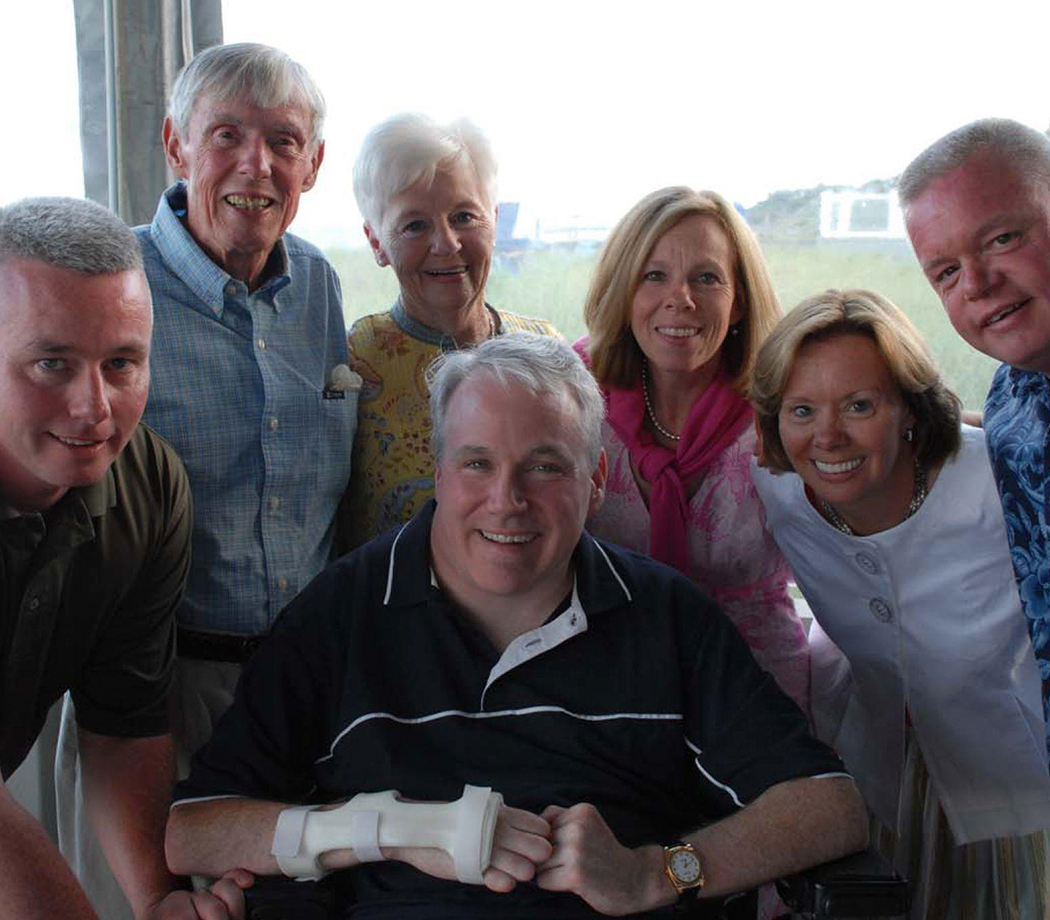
[716, 420]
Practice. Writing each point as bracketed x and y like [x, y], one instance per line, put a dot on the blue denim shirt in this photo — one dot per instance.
[1017, 423]
[239, 389]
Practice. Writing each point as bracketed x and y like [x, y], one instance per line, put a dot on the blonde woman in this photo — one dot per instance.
[679, 303]
[890, 519]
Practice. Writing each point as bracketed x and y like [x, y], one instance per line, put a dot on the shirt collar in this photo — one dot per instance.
[194, 266]
[72, 518]
[598, 583]
[1028, 383]
[413, 327]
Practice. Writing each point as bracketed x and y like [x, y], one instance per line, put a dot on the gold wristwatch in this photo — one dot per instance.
[683, 869]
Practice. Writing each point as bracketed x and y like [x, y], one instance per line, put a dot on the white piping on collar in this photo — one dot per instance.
[612, 568]
[390, 569]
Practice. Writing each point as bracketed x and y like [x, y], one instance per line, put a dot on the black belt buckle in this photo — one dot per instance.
[206, 646]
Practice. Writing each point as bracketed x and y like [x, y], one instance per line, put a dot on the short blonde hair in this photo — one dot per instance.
[857, 312]
[616, 358]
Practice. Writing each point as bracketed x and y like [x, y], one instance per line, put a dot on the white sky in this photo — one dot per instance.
[592, 103]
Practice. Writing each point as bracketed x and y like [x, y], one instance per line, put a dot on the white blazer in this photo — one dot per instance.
[928, 615]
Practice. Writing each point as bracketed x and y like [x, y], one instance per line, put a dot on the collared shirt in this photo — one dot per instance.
[393, 474]
[639, 697]
[1017, 423]
[240, 386]
[90, 592]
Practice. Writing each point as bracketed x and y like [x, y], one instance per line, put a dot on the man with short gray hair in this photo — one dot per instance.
[95, 522]
[551, 709]
[977, 208]
[250, 382]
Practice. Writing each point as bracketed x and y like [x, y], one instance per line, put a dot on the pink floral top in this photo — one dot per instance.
[732, 555]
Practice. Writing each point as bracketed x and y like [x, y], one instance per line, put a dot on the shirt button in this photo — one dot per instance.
[275, 503]
[273, 424]
[282, 583]
[867, 563]
[230, 288]
[34, 603]
[261, 343]
[880, 610]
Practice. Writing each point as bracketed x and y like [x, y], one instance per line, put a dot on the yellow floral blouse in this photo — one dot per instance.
[392, 471]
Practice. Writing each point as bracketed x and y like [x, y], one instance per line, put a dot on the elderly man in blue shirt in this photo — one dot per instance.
[250, 382]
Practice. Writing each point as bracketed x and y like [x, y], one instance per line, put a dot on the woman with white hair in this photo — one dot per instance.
[427, 193]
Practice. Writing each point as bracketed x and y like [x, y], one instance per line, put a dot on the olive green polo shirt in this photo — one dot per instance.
[88, 595]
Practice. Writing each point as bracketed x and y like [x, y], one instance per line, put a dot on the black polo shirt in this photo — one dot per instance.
[639, 697]
[90, 589]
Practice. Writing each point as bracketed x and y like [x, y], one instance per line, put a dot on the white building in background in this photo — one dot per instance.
[520, 223]
[861, 215]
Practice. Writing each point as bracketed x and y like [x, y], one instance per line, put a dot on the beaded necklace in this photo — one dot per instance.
[649, 408]
[918, 496]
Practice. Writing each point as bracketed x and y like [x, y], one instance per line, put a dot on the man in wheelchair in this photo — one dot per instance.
[491, 713]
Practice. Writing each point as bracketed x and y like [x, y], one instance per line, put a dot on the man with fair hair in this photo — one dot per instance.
[95, 524]
[250, 376]
[616, 746]
[977, 208]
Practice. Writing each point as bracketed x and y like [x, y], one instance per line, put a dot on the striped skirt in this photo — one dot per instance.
[1003, 879]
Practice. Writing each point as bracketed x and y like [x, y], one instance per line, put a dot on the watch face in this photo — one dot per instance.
[685, 866]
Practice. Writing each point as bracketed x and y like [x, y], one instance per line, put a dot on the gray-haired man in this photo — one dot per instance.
[249, 359]
[977, 208]
[94, 547]
[492, 642]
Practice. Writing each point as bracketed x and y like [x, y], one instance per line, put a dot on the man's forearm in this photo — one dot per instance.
[35, 882]
[127, 790]
[213, 837]
[789, 827]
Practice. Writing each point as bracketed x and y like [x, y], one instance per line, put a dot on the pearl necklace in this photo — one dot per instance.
[649, 408]
[918, 496]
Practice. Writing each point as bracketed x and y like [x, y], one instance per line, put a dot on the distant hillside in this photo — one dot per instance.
[794, 214]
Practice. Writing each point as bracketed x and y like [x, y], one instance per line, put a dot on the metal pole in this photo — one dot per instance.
[112, 153]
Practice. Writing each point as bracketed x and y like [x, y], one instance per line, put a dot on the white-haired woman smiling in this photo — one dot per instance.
[428, 196]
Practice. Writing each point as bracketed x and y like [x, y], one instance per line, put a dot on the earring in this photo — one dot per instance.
[734, 330]
[909, 434]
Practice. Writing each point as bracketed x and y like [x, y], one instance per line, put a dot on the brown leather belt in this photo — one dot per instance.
[207, 646]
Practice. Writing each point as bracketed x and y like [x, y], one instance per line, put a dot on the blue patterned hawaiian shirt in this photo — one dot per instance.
[1017, 423]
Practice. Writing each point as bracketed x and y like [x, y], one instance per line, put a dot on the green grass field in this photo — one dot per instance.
[552, 283]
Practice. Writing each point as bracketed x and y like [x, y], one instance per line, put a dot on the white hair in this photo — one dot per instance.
[265, 76]
[543, 364]
[409, 147]
[68, 233]
[1026, 150]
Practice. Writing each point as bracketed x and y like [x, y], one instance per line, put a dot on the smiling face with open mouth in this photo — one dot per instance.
[513, 489]
[74, 375]
[982, 235]
[245, 168]
[842, 424]
[439, 237]
[686, 298]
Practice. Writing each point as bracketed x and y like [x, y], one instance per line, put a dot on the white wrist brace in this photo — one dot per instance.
[463, 829]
